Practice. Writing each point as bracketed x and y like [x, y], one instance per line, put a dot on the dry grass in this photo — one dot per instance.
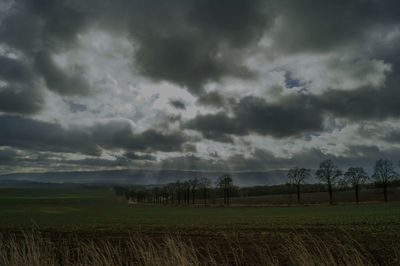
[289, 249]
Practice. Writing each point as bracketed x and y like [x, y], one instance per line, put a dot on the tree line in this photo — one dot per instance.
[329, 175]
[181, 193]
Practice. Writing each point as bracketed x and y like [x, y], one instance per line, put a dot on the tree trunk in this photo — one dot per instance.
[224, 196]
[356, 188]
[330, 193]
[385, 192]
[227, 196]
[298, 193]
[205, 196]
[193, 196]
[179, 196]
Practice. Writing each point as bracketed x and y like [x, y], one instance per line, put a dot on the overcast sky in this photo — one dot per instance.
[198, 84]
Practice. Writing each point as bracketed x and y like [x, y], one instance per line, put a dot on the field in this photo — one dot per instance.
[97, 214]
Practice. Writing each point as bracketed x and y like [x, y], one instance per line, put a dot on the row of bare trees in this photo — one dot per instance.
[185, 193]
[330, 174]
[179, 193]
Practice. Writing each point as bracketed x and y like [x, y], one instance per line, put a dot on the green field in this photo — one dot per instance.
[100, 209]
[95, 227]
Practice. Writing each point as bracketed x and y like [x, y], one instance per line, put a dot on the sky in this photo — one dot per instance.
[227, 85]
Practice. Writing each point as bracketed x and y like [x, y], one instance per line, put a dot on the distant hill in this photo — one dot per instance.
[144, 177]
[33, 184]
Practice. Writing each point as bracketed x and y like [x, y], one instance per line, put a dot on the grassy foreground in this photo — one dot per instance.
[139, 249]
[94, 227]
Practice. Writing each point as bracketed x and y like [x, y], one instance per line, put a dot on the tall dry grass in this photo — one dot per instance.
[138, 249]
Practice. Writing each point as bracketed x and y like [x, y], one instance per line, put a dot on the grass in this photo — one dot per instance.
[91, 209]
[139, 249]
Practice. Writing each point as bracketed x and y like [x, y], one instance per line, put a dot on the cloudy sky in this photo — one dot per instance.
[198, 84]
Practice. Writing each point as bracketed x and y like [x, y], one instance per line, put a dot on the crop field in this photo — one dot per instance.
[97, 214]
[89, 209]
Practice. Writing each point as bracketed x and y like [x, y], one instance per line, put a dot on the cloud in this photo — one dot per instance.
[189, 43]
[39, 29]
[30, 134]
[194, 42]
[76, 107]
[72, 82]
[135, 156]
[261, 81]
[178, 104]
[7, 156]
[252, 115]
[316, 27]
[297, 113]
[361, 104]
[215, 99]
[20, 92]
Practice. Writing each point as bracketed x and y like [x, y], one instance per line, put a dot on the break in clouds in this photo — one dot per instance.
[198, 84]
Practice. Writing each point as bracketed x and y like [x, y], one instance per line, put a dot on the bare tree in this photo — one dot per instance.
[356, 176]
[204, 184]
[384, 173]
[164, 195]
[186, 191]
[193, 184]
[328, 173]
[225, 183]
[178, 186]
[171, 188]
[298, 177]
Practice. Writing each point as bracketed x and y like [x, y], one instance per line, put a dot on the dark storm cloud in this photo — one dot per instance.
[192, 43]
[216, 126]
[36, 26]
[319, 26]
[366, 103]
[40, 28]
[393, 137]
[7, 156]
[155, 140]
[20, 94]
[134, 156]
[60, 81]
[215, 99]
[178, 104]
[178, 59]
[290, 117]
[300, 113]
[37, 135]
[252, 115]
[14, 70]
[31, 134]
[51, 162]
[235, 22]
[197, 44]
[185, 42]
[360, 104]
